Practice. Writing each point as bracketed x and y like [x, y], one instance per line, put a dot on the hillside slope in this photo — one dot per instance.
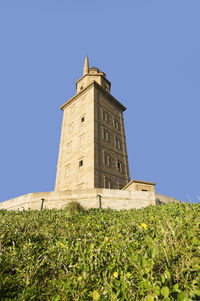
[146, 254]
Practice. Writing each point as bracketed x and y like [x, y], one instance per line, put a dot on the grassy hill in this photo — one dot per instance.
[147, 254]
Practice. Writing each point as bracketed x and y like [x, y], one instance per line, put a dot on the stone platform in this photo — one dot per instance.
[88, 198]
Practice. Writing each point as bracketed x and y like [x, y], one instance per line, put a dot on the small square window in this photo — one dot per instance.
[82, 119]
[80, 163]
[81, 88]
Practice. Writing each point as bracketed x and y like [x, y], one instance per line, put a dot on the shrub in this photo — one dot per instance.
[74, 207]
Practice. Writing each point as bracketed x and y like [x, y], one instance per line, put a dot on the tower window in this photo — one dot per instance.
[80, 163]
[118, 143]
[107, 160]
[119, 166]
[106, 135]
[82, 119]
[81, 88]
[116, 124]
[105, 116]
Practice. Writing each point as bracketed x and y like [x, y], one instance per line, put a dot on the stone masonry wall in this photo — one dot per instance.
[77, 144]
[110, 198]
[111, 162]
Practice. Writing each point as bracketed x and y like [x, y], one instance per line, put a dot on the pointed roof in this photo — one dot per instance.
[86, 66]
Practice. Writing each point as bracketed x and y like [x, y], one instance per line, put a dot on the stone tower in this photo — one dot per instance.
[92, 150]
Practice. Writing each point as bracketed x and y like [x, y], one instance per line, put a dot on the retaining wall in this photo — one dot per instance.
[110, 198]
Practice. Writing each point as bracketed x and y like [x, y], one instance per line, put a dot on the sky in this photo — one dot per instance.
[149, 50]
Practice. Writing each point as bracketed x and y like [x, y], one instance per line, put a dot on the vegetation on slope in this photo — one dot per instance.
[148, 254]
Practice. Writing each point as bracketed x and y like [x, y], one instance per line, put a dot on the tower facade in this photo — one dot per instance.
[92, 151]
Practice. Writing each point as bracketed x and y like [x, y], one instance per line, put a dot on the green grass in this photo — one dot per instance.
[147, 254]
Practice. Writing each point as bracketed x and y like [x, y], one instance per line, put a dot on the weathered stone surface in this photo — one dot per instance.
[138, 185]
[110, 198]
[88, 198]
[92, 150]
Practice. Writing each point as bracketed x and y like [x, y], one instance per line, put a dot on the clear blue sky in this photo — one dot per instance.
[150, 51]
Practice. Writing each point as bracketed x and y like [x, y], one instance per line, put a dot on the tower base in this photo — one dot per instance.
[88, 198]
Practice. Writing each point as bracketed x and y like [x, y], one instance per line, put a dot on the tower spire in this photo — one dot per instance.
[86, 66]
